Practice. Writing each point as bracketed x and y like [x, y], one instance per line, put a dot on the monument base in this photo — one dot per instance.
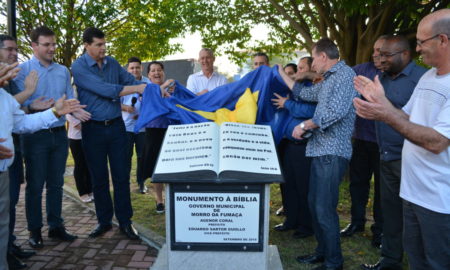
[207, 260]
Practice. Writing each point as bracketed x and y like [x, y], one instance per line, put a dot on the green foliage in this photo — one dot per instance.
[132, 27]
[295, 24]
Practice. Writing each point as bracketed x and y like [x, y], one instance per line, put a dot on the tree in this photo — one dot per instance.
[353, 24]
[133, 28]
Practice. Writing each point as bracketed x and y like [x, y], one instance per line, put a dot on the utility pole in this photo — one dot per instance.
[12, 18]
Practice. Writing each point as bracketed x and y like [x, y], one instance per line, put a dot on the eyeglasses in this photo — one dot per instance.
[382, 54]
[48, 44]
[421, 42]
[10, 49]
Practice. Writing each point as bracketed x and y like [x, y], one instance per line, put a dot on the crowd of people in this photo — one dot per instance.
[386, 120]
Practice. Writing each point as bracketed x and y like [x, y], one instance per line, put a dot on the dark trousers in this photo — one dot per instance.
[365, 162]
[326, 175]
[426, 237]
[45, 154]
[102, 143]
[137, 140]
[392, 247]
[80, 170]
[296, 170]
[16, 177]
[153, 141]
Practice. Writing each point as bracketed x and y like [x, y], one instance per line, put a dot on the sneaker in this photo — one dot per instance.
[91, 195]
[160, 208]
[86, 198]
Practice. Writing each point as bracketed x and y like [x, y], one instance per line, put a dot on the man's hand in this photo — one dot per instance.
[309, 75]
[169, 86]
[81, 115]
[204, 91]
[298, 131]
[140, 88]
[8, 72]
[377, 106]
[5, 153]
[40, 104]
[279, 101]
[64, 106]
[31, 82]
[127, 108]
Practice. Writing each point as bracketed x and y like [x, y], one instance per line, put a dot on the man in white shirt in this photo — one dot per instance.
[130, 105]
[12, 118]
[260, 59]
[425, 123]
[207, 79]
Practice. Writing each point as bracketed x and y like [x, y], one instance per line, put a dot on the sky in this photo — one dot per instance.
[192, 45]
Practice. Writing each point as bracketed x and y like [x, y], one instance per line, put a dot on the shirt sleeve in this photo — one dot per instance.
[300, 109]
[86, 79]
[69, 88]
[337, 103]
[307, 93]
[442, 124]
[28, 123]
[190, 84]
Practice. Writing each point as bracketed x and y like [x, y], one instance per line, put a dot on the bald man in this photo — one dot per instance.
[425, 123]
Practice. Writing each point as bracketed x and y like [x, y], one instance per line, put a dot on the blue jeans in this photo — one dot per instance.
[326, 175]
[45, 154]
[426, 237]
[137, 140]
[102, 143]
[16, 177]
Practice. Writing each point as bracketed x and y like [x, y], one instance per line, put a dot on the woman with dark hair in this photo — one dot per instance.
[154, 133]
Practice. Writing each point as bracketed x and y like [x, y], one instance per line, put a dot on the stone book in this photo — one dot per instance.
[207, 152]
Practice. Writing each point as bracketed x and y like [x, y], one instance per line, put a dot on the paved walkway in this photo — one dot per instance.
[111, 251]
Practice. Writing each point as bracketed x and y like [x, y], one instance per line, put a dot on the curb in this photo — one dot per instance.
[148, 236]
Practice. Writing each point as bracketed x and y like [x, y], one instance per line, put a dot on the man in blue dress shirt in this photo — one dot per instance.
[101, 81]
[46, 150]
[399, 79]
[12, 118]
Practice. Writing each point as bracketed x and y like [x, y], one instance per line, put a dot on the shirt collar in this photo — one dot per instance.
[334, 68]
[36, 61]
[405, 72]
[91, 62]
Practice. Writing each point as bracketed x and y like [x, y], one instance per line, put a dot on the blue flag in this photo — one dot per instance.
[247, 101]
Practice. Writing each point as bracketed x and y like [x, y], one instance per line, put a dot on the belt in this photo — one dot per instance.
[105, 122]
[54, 129]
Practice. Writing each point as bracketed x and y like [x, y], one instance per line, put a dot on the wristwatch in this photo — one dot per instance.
[302, 126]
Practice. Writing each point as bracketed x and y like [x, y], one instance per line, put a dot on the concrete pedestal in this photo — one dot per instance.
[267, 259]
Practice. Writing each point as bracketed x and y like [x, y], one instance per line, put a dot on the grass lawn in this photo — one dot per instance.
[356, 250]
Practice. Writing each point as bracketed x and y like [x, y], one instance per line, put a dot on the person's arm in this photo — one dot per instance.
[300, 109]
[377, 107]
[86, 79]
[27, 123]
[30, 87]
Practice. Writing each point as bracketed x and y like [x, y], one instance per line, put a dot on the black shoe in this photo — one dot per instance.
[310, 259]
[300, 235]
[282, 228]
[376, 240]
[35, 239]
[160, 208]
[100, 230]
[129, 231]
[378, 266]
[14, 262]
[21, 253]
[61, 233]
[280, 211]
[323, 267]
[351, 229]
[142, 188]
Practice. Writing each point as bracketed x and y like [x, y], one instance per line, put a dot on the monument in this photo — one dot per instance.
[217, 197]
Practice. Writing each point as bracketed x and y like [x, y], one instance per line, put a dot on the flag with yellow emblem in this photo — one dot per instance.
[243, 101]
